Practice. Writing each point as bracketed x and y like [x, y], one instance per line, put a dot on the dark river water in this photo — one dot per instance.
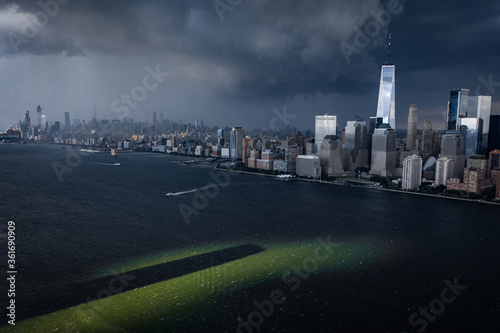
[102, 214]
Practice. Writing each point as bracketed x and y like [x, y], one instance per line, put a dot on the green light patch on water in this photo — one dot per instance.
[168, 303]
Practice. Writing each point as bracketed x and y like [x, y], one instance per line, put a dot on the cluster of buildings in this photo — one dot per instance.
[465, 157]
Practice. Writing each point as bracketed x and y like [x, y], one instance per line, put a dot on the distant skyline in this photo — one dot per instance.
[254, 64]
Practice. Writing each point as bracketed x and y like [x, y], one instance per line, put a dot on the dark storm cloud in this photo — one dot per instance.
[265, 49]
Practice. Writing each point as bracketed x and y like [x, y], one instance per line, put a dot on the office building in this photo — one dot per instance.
[494, 133]
[324, 125]
[308, 166]
[67, 124]
[384, 156]
[493, 161]
[478, 162]
[412, 172]
[330, 155]
[291, 154]
[386, 107]
[444, 170]
[236, 141]
[452, 148]
[457, 108]
[220, 137]
[356, 144]
[411, 137]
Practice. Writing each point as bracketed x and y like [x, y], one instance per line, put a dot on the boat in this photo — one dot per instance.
[286, 178]
[114, 152]
[170, 194]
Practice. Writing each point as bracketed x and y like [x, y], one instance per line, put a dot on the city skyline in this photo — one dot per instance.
[239, 70]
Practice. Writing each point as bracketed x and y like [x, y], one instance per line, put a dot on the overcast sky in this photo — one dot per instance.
[232, 62]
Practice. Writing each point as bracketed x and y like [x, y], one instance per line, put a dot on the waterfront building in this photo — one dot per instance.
[324, 125]
[291, 154]
[252, 160]
[474, 182]
[308, 166]
[411, 137]
[220, 137]
[266, 161]
[444, 170]
[236, 142]
[384, 156]
[386, 107]
[412, 172]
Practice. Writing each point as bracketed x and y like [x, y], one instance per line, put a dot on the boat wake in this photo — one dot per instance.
[171, 194]
[112, 164]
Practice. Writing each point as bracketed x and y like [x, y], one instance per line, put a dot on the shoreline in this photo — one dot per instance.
[374, 188]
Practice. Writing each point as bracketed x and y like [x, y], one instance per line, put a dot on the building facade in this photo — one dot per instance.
[386, 107]
[412, 172]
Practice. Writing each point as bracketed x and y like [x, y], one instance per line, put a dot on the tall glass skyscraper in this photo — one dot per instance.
[386, 108]
[325, 125]
[457, 108]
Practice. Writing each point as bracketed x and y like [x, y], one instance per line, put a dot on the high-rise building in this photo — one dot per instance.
[220, 137]
[236, 141]
[386, 108]
[478, 162]
[475, 124]
[325, 125]
[412, 172]
[493, 161]
[308, 166]
[494, 134]
[39, 117]
[356, 144]
[330, 155]
[384, 155]
[452, 147]
[427, 146]
[444, 170]
[67, 124]
[27, 122]
[457, 108]
[411, 137]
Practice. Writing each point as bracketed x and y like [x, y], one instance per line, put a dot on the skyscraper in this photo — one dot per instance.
[452, 147]
[330, 155]
[457, 108]
[384, 156]
[325, 125]
[386, 108]
[236, 141]
[39, 116]
[356, 144]
[475, 124]
[412, 128]
[220, 137]
[444, 170]
[67, 124]
[494, 134]
[412, 172]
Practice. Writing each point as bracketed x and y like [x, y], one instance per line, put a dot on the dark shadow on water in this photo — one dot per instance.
[61, 297]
